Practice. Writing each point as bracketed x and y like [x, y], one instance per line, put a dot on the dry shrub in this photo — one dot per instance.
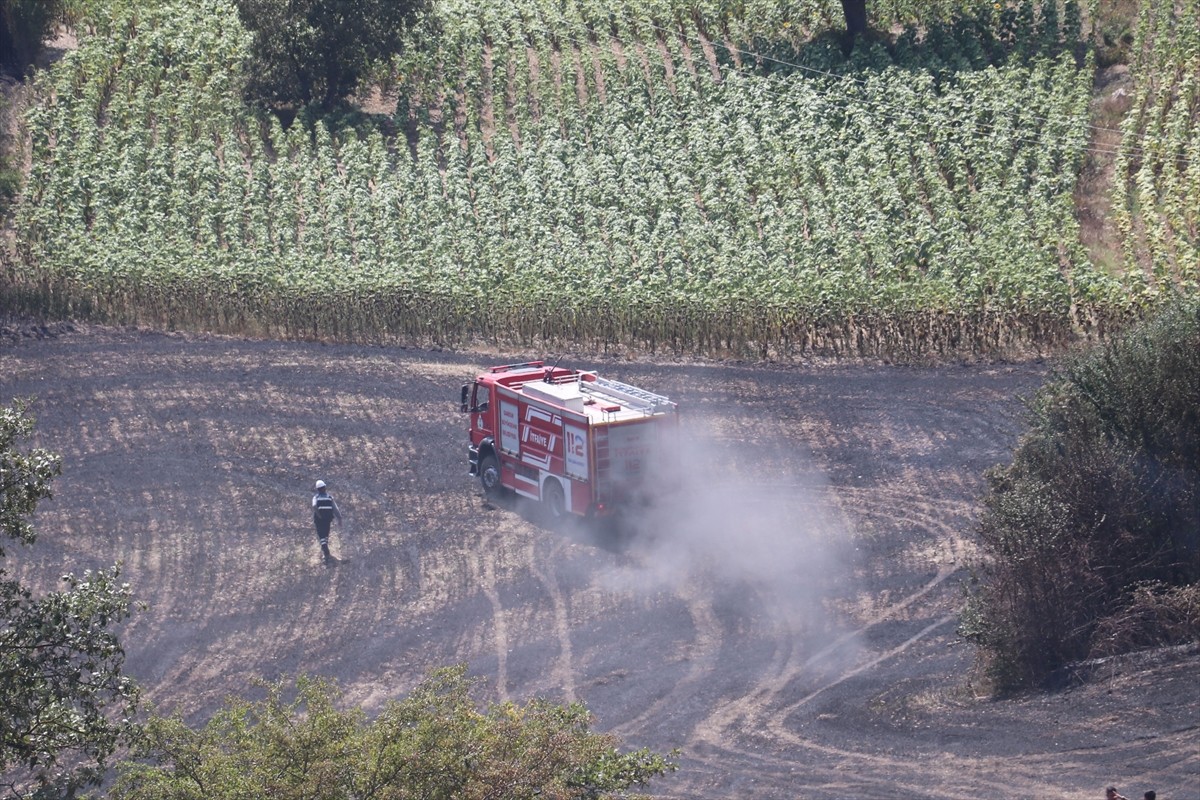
[1157, 615]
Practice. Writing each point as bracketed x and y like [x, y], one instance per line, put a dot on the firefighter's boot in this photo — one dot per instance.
[325, 555]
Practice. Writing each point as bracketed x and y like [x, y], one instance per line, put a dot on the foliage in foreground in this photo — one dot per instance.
[1092, 534]
[435, 743]
[66, 705]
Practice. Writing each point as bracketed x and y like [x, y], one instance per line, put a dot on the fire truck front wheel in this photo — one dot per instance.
[489, 475]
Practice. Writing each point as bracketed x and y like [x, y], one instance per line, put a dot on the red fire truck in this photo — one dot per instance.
[577, 442]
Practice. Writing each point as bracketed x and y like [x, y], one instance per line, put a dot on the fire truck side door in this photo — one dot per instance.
[481, 420]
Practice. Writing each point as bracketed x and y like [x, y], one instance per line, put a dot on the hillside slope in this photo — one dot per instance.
[790, 627]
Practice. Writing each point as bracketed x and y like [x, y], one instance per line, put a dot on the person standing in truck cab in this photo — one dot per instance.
[325, 511]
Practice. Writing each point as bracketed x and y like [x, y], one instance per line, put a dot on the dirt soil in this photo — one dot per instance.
[790, 627]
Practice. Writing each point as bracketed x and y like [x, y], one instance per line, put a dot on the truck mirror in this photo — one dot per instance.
[462, 402]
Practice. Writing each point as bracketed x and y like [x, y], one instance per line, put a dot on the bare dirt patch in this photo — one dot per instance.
[806, 649]
[1112, 98]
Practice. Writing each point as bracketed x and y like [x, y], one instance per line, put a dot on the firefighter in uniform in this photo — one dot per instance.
[325, 511]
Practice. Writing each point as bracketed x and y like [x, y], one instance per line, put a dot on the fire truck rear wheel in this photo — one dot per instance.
[489, 475]
[553, 497]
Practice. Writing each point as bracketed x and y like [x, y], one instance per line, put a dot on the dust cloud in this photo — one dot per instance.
[753, 526]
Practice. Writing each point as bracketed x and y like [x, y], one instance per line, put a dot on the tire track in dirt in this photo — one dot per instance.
[701, 655]
[563, 671]
[764, 714]
[483, 571]
[758, 710]
[778, 718]
[785, 663]
[856, 772]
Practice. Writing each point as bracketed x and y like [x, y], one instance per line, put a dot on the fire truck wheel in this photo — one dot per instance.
[489, 475]
[553, 497]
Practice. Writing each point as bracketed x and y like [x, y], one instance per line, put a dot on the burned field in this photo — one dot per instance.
[787, 621]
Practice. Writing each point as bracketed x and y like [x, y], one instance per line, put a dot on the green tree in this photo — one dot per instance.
[433, 745]
[24, 24]
[66, 705]
[317, 51]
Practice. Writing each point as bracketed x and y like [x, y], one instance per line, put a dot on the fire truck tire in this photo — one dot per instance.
[489, 475]
[554, 499]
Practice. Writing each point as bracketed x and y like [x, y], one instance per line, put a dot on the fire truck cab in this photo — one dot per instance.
[579, 443]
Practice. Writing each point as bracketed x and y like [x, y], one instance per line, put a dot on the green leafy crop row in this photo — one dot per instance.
[558, 181]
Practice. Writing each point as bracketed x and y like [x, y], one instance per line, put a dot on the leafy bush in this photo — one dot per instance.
[1102, 500]
[296, 743]
[67, 705]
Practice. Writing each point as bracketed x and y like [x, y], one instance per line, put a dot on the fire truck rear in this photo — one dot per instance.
[577, 442]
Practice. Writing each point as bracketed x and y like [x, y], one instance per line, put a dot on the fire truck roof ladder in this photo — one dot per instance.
[631, 396]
